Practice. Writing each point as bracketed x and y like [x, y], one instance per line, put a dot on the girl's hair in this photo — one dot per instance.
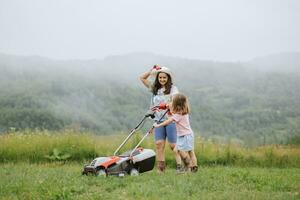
[156, 85]
[180, 104]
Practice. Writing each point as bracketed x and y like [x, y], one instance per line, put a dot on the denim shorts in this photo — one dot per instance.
[185, 142]
[169, 132]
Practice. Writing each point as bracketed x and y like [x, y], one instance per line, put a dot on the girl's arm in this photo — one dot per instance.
[165, 123]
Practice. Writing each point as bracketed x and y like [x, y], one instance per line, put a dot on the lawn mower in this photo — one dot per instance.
[132, 162]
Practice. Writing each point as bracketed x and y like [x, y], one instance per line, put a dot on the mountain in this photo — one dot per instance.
[282, 62]
[255, 101]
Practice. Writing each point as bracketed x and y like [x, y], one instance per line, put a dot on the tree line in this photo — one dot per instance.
[227, 102]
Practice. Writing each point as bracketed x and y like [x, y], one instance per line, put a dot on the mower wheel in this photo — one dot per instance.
[134, 172]
[101, 172]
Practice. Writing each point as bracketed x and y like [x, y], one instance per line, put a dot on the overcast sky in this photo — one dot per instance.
[223, 30]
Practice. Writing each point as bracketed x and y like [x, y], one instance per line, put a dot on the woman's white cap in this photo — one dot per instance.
[166, 70]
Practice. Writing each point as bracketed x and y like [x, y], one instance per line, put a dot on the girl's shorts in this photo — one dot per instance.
[185, 142]
[169, 132]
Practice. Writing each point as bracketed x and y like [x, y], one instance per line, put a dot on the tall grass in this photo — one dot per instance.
[209, 153]
[35, 146]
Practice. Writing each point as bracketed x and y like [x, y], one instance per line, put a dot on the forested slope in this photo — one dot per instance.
[232, 100]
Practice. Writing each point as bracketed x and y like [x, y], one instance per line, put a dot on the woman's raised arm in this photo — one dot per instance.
[144, 78]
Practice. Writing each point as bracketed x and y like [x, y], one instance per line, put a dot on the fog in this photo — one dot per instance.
[232, 30]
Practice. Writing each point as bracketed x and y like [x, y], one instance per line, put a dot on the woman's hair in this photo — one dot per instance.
[156, 85]
[180, 104]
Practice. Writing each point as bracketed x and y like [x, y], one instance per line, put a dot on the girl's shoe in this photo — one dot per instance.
[182, 170]
[194, 169]
[179, 169]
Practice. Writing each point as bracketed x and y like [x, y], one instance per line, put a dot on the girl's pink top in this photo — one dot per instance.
[183, 126]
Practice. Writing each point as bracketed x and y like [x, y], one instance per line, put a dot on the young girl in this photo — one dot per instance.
[162, 91]
[185, 137]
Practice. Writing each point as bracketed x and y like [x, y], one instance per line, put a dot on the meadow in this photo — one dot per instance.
[47, 165]
[54, 181]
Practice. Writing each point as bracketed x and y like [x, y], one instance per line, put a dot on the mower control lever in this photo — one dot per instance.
[161, 106]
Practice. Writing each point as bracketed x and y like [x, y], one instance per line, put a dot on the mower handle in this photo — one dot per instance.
[161, 106]
[149, 131]
[150, 114]
[130, 134]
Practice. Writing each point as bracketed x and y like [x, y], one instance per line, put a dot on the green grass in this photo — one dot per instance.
[227, 171]
[64, 181]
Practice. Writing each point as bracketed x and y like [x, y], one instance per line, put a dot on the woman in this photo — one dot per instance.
[162, 91]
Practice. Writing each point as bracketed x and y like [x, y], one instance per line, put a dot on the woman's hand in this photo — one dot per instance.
[156, 67]
[154, 70]
[156, 125]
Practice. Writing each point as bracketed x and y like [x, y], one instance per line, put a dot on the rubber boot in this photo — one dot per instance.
[161, 166]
